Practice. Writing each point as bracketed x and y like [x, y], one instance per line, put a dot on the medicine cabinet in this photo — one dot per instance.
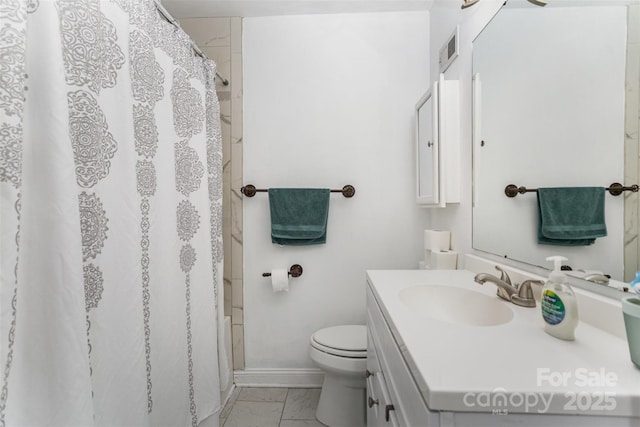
[438, 145]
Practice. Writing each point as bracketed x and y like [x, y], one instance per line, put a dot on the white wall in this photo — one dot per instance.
[329, 100]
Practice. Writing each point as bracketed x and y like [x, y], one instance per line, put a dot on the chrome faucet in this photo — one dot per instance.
[520, 295]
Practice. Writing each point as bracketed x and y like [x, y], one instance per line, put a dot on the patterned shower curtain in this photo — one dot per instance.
[110, 218]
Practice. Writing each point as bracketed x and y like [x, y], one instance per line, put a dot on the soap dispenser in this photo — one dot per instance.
[558, 302]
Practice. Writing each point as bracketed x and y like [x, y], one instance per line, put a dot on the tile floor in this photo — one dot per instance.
[271, 407]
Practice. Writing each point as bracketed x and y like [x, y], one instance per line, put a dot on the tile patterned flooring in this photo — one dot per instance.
[271, 407]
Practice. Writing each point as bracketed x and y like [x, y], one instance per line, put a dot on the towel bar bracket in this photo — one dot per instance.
[617, 189]
[348, 191]
[294, 271]
[614, 189]
[512, 190]
[250, 190]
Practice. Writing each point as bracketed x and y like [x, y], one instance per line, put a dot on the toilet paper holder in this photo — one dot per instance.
[294, 271]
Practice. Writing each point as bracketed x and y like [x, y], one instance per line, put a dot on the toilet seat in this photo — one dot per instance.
[344, 341]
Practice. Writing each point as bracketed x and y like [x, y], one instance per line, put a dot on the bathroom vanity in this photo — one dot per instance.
[446, 351]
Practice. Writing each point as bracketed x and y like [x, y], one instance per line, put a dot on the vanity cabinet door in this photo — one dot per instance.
[373, 393]
[380, 409]
[383, 410]
[395, 384]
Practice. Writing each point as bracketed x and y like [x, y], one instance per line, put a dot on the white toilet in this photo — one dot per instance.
[341, 352]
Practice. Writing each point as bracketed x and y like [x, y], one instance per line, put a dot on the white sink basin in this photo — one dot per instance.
[456, 305]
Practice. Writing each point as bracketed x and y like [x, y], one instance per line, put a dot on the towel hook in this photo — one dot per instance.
[294, 271]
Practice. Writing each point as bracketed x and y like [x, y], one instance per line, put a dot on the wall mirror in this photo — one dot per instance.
[557, 91]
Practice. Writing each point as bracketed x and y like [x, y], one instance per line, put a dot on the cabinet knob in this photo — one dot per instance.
[429, 144]
[372, 402]
[368, 373]
[388, 409]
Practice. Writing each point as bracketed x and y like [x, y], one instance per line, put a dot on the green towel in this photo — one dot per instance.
[299, 215]
[571, 216]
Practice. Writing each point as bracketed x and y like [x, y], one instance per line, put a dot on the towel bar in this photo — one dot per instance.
[614, 189]
[294, 271]
[347, 191]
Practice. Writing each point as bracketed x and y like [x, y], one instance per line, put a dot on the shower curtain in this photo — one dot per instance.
[110, 218]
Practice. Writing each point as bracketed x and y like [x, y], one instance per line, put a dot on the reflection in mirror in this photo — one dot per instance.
[556, 84]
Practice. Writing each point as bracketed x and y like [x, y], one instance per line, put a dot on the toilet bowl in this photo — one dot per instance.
[341, 352]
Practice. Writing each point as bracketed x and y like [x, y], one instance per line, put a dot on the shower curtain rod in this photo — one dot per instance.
[166, 15]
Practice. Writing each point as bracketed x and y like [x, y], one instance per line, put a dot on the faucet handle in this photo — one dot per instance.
[528, 283]
[525, 296]
[503, 275]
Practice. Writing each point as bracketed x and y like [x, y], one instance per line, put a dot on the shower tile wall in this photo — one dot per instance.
[632, 147]
[221, 40]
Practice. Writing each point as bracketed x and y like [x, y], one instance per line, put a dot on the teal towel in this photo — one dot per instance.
[571, 216]
[299, 215]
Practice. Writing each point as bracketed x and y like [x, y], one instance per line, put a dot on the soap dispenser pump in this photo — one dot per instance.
[558, 302]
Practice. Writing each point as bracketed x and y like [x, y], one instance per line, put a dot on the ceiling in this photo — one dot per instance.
[245, 8]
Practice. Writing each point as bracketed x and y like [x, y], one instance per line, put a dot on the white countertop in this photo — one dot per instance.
[462, 368]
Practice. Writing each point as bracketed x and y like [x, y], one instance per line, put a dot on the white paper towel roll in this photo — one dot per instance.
[280, 280]
[444, 260]
[437, 240]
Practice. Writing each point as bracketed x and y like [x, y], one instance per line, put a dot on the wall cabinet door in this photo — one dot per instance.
[427, 149]
[437, 145]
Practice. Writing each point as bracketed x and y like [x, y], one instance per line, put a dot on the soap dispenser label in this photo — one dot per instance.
[553, 310]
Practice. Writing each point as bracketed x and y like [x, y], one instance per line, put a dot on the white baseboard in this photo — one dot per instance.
[300, 378]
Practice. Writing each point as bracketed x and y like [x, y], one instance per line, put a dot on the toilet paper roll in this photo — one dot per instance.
[280, 280]
[444, 260]
[437, 240]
